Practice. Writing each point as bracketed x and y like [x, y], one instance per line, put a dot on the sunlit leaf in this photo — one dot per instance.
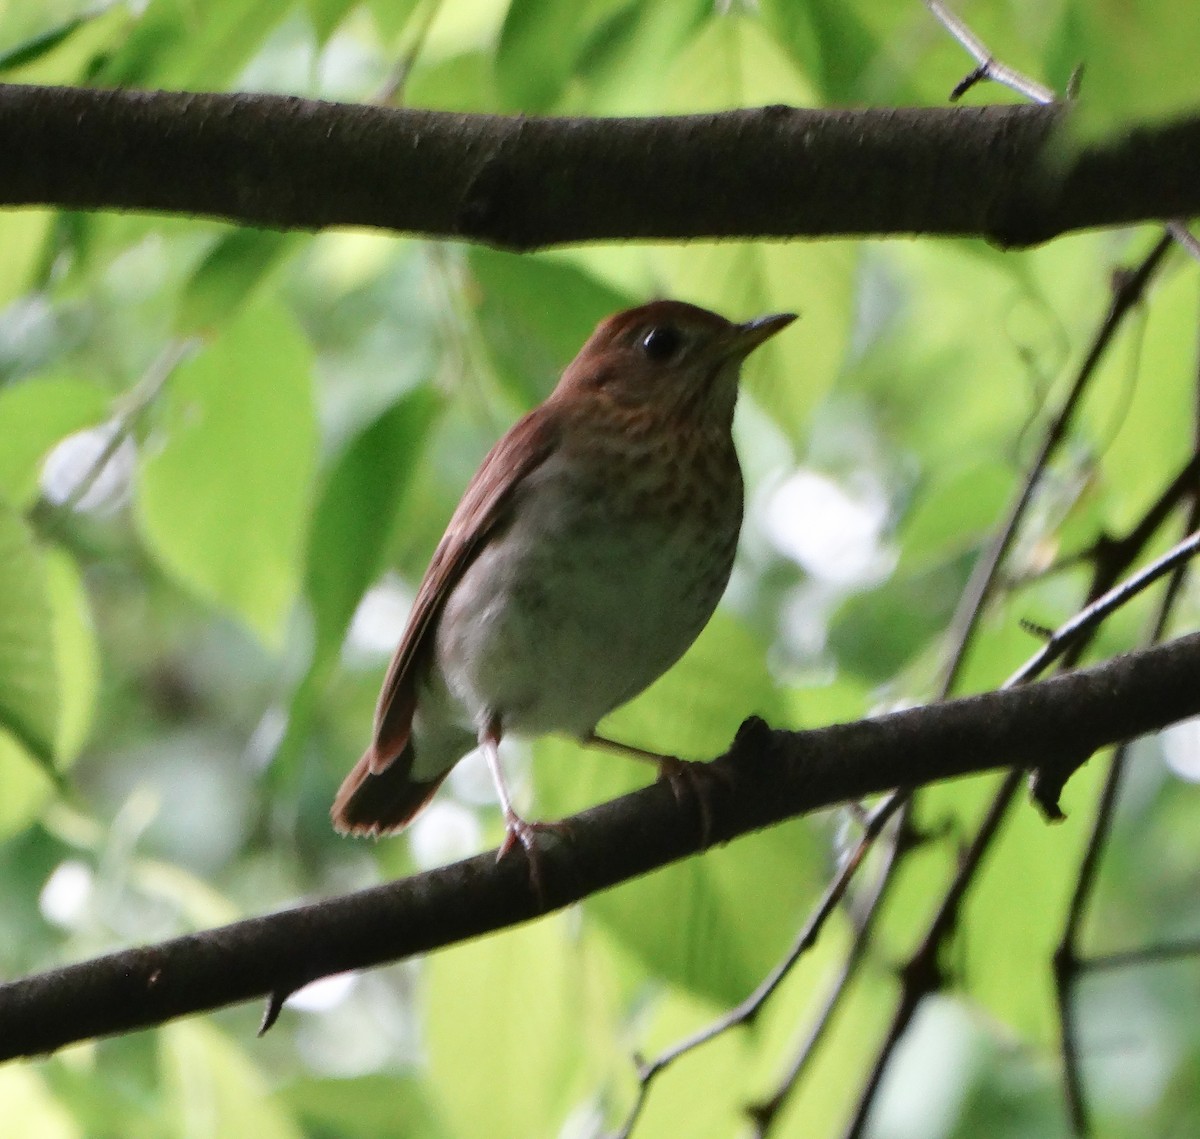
[537, 312]
[538, 48]
[1141, 406]
[366, 1107]
[353, 520]
[30, 697]
[513, 1041]
[224, 496]
[229, 276]
[76, 653]
[213, 1089]
[30, 1108]
[171, 47]
[23, 236]
[26, 787]
[67, 52]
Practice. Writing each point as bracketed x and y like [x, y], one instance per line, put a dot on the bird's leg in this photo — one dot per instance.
[516, 828]
[684, 776]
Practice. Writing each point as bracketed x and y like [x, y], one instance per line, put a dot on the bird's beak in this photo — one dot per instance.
[746, 337]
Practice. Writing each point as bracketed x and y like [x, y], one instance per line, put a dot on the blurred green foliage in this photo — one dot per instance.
[193, 630]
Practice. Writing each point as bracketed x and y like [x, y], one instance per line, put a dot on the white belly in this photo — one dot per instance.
[571, 612]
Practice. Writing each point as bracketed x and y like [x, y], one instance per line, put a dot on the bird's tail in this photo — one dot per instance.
[382, 803]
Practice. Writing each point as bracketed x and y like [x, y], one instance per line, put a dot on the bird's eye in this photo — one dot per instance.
[662, 342]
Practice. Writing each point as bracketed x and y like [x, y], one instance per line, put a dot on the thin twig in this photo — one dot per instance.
[764, 1113]
[1184, 237]
[134, 405]
[922, 973]
[1086, 620]
[1129, 290]
[391, 93]
[749, 1008]
[989, 67]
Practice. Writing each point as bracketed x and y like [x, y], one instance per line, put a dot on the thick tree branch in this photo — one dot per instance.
[1009, 174]
[773, 775]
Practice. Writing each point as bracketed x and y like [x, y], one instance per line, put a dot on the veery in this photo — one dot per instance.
[589, 550]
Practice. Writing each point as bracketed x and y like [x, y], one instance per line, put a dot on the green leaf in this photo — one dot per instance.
[26, 787]
[353, 520]
[224, 503]
[706, 924]
[829, 41]
[1140, 409]
[465, 82]
[30, 1109]
[948, 518]
[23, 238]
[352, 528]
[229, 276]
[66, 53]
[512, 1047]
[36, 415]
[326, 15]
[876, 633]
[367, 1107]
[789, 374]
[539, 45]
[171, 47]
[536, 312]
[76, 653]
[732, 63]
[213, 1089]
[625, 64]
[38, 45]
[29, 682]
[390, 16]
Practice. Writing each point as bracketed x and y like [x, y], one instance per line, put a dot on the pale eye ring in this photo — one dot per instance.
[662, 342]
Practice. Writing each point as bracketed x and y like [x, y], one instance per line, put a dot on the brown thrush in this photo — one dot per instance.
[586, 555]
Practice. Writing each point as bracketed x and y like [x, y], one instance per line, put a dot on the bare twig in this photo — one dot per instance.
[750, 1007]
[1087, 619]
[989, 67]
[765, 1112]
[922, 973]
[1129, 289]
[133, 407]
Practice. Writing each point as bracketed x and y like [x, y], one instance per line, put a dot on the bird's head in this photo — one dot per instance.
[668, 356]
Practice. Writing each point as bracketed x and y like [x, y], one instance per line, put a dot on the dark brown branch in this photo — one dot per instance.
[1005, 173]
[773, 775]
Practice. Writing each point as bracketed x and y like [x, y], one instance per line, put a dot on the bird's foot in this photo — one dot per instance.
[694, 779]
[521, 831]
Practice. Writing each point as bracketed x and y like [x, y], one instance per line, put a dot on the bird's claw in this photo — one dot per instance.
[688, 777]
[522, 831]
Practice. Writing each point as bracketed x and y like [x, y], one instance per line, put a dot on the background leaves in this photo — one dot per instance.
[201, 644]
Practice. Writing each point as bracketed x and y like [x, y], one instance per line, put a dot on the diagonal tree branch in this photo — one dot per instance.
[773, 775]
[1008, 173]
